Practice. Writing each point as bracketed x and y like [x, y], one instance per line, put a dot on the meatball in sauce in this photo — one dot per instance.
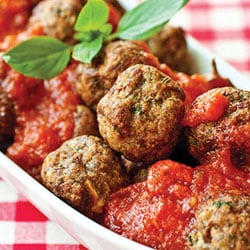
[84, 172]
[165, 210]
[140, 116]
[219, 121]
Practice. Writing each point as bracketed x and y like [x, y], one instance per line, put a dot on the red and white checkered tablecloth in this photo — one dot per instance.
[224, 27]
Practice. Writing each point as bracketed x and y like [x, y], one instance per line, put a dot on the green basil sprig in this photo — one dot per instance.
[40, 57]
[147, 18]
[45, 57]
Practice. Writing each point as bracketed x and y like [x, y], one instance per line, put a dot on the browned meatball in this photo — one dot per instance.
[57, 17]
[219, 121]
[89, 85]
[222, 223]
[85, 122]
[7, 119]
[170, 46]
[84, 171]
[96, 79]
[140, 115]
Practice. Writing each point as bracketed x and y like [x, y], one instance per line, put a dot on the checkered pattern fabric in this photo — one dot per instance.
[224, 27]
[22, 226]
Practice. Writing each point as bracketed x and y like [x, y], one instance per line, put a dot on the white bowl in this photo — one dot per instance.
[84, 230]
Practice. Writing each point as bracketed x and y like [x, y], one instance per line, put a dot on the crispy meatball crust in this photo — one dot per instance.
[84, 171]
[140, 115]
[7, 119]
[57, 17]
[222, 223]
[231, 131]
[85, 122]
[97, 78]
[170, 46]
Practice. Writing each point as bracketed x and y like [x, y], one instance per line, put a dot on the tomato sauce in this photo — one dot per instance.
[18, 12]
[114, 17]
[44, 115]
[196, 84]
[210, 110]
[159, 212]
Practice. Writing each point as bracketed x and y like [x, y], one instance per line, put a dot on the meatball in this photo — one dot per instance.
[96, 79]
[85, 122]
[84, 171]
[170, 46]
[140, 116]
[219, 121]
[7, 119]
[89, 85]
[222, 223]
[57, 17]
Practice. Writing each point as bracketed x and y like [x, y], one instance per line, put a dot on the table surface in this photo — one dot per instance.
[223, 27]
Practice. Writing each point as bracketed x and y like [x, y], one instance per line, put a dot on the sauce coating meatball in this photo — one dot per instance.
[140, 115]
[84, 171]
[219, 120]
[222, 223]
[7, 119]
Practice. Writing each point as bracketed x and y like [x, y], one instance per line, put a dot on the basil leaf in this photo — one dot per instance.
[88, 36]
[94, 14]
[106, 29]
[139, 23]
[83, 36]
[86, 51]
[40, 57]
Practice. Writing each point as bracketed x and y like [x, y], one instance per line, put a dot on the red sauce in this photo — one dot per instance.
[211, 110]
[13, 40]
[44, 115]
[159, 212]
[196, 84]
[114, 17]
[18, 11]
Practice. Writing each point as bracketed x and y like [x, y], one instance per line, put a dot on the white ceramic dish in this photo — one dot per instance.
[84, 230]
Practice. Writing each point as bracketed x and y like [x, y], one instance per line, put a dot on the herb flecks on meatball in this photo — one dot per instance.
[57, 17]
[140, 115]
[219, 120]
[84, 171]
[97, 78]
[222, 223]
